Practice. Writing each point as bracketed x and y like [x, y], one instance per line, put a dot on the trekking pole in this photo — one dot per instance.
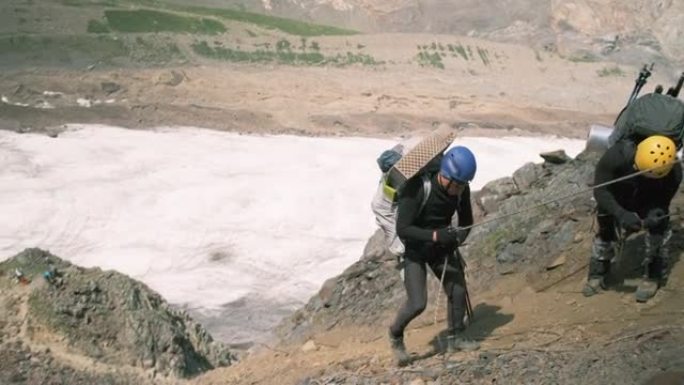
[469, 306]
[640, 81]
[644, 74]
[674, 91]
[441, 284]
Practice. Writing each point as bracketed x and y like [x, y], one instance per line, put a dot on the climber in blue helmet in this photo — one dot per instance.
[431, 241]
[457, 169]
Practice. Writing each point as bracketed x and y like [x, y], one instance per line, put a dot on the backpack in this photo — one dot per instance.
[384, 204]
[651, 114]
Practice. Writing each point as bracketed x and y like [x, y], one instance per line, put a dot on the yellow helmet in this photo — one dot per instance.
[654, 151]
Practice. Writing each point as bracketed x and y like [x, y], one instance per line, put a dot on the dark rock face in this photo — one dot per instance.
[494, 192]
[112, 318]
[530, 230]
[555, 157]
[525, 176]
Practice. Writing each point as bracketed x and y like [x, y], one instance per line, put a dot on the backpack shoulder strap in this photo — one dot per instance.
[427, 187]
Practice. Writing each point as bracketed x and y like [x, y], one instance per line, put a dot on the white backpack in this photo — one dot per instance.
[384, 207]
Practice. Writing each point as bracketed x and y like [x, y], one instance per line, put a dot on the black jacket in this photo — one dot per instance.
[415, 229]
[638, 194]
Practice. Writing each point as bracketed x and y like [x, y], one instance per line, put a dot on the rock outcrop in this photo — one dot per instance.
[103, 317]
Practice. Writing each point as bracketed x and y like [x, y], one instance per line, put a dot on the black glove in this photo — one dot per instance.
[654, 218]
[630, 221]
[462, 235]
[447, 236]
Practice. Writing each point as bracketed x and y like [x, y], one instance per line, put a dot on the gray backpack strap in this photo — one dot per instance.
[427, 187]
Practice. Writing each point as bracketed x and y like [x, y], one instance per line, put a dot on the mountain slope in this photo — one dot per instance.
[525, 277]
[631, 31]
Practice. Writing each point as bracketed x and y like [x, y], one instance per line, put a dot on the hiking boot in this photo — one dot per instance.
[602, 252]
[593, 286]
[646, 290]
[459, 342]
[399, 349]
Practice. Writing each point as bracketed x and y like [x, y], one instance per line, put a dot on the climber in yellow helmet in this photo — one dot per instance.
[641, 202]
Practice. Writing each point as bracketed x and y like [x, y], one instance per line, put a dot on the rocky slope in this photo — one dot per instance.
[89, 326]
[519, 243]
[525, 275]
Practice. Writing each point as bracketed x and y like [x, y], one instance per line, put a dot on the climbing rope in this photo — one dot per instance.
[564, 197]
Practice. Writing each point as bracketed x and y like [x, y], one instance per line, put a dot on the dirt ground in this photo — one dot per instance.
[511, 317]
[522, 92]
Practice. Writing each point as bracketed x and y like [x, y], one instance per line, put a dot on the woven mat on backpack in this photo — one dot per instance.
[420, 155]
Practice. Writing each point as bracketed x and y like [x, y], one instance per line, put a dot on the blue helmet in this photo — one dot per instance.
[458, 164]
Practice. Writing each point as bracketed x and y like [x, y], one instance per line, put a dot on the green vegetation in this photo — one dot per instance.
[154, 51]
[353, 58]
[64, 48]
[283, 54]
[432, 54]
[108, 3]
[290, 26]
[484, 55]
[90, 49]
[426, 59]
[582, 57]
[134, 22]
[107, 41]
[610, 71]
[96, 26]
[145, 20]
[458, 49]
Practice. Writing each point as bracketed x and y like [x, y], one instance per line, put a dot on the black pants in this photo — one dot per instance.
[607, 231]
[415, 281]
